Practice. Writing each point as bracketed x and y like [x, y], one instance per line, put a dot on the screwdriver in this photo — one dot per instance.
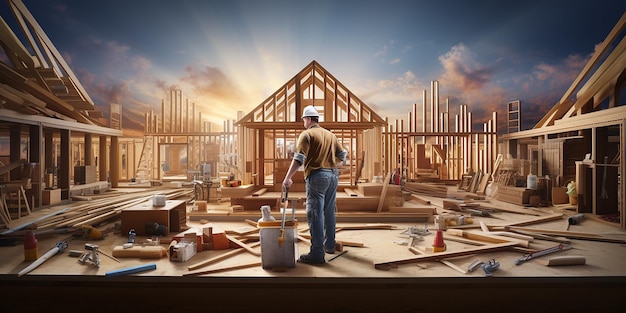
[539, 253]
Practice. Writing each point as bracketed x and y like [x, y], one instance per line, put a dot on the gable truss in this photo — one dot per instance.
[313, 85]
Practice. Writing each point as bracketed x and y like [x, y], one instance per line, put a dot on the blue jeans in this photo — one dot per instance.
[321, 194]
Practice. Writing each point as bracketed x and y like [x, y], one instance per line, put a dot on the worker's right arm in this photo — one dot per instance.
[293, 168]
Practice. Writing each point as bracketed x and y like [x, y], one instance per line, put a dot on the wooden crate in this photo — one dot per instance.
[515, 195]
[173, 216]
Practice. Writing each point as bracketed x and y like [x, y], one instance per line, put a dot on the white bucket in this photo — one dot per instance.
[531, 181]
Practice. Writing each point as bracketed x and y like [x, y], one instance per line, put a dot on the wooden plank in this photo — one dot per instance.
[412, 209]
[307, 240]
[435, 190]
[243, 245]
[418, 199]
[446, 262]
[486, 237]
[383, 193]
[143, 252]
[475, 180]
[463, 240]
[259, 192]
[535, 220]
[366, 226]
[386, 264]
[482, 186]
[351, 192]
[512, 210]
[219, 257]
[23, 226]
[568, 234]
[564, 260]
[223, 269]
[451, 205]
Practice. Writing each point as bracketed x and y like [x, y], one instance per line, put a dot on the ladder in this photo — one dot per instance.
[514, 116]
[13, 199]
[144, 167]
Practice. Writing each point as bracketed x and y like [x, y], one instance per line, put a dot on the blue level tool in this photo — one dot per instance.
[131, 270]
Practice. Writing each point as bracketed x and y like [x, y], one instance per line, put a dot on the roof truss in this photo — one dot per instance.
[313, 85]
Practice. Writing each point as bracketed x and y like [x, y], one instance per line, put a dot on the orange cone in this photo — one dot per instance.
[438, 244]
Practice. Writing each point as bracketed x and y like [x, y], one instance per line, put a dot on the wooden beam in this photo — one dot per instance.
[387, 264]
[486, 237]
[223, 269]
[536, 220]
[243, 245]
[568, 234]
[219, 257]
[383, 193]
[351, 192]
[446, 262]
[259, 192]
[606, 44]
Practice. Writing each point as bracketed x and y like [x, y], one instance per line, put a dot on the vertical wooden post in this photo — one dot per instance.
[622, 169]
[64, 166]
[115, 162]
[88, 148]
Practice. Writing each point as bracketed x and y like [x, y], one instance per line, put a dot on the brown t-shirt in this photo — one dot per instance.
[318, 148]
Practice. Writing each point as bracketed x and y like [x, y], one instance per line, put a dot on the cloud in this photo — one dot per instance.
[559, 75]
[211, 82]
[462, 71]
[466, 81]
[404, 88]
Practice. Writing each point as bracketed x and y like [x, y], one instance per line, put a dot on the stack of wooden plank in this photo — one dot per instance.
[515, 195]
[98, 209]
[435, 190]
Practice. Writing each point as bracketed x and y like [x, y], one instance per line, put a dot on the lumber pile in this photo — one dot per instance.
[475, 183]
[516, 195]
[102, 208]
[435, 190]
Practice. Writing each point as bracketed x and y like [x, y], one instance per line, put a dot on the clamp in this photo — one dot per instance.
[90, 256]
[490, 267]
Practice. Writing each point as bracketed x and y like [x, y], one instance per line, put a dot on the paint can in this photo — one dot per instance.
[31, 251]
[531, 181]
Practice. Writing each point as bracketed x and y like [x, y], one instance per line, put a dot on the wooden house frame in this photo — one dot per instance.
[180, 129]
[267, 134]
[44, 108]
[582, 137]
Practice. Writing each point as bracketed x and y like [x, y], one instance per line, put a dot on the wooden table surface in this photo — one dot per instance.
[355, 285]
[602, 258]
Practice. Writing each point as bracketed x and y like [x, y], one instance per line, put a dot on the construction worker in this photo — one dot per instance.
[319, 151]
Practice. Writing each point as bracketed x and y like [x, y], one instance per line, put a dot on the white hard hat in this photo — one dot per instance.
[310, 111]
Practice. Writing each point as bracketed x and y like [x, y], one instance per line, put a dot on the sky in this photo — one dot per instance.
[228, 56]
